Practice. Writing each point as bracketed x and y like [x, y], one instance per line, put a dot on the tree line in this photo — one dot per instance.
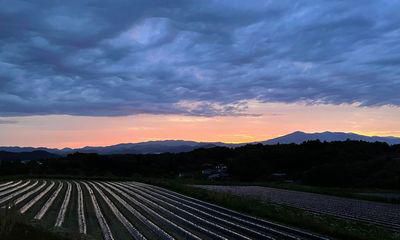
[340, 164]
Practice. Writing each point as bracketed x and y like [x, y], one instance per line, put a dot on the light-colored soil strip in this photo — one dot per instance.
[5, 199]
[28, 205]
[49, 202]
[107, 235]
[154, 228]
[64, 206]
[14, 188]
[81, 212]
[158, 207]
[177, 203]
[131, 229]
[222, 228]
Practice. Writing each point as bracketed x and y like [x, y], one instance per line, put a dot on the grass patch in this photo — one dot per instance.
[323, 224]
[26, 231]
[14, 226]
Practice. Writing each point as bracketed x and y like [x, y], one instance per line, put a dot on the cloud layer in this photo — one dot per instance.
[109, 58]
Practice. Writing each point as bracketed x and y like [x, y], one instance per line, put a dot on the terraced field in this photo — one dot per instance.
[132, 210]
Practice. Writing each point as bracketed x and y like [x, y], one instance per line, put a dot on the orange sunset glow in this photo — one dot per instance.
[264, 121]
[233, 71]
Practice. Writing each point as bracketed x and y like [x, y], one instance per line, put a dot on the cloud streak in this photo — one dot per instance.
[3, 121]
[202, 58]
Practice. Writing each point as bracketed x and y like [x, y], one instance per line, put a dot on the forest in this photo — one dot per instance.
[334, 164]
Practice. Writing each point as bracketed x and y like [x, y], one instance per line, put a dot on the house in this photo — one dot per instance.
[218, 171]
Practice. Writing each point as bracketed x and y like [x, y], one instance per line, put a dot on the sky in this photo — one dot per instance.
[77, 73]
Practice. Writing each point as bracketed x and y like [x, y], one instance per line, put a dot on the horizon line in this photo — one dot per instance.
[200, 141]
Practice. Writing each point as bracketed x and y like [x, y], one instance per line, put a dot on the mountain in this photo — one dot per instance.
[176, 146]
[299, 137]
[172, 146]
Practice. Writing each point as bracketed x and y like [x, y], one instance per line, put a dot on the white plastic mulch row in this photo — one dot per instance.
[159, 207]
[81, 212]
[49, 202]
[156, 229]
[235, 215]
[211, 212]
[64, 206]
[13, 188]
[4, 184]
[14, 194]
[131, 229]
[145, 211]
[36, 199]
[107, 235]
[197, 210]
[213, 224]
[8, 185]
[31, 192]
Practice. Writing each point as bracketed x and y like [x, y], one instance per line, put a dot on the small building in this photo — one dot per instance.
[219, 171]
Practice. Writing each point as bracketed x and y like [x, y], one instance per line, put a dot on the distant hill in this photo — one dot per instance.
[172, 146]
[299, 137]
[177, 146]
[33, 155]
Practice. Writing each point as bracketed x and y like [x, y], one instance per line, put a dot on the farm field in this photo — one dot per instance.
[381, 214]
[133, 210]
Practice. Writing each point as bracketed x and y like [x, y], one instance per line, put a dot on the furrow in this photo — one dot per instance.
[107, 235]
[131, 229]
[203, 220]
[156, 229]
[278, 229]
[27, 206]
[49, 202]
[28, 194]
[8, 185]
[177, 203]
[13, 188]
[81, 212]
[159, 207]
[387, 224]
[12, 195]
[64, 206]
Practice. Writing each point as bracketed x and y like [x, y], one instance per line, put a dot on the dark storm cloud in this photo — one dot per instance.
[206, 58]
